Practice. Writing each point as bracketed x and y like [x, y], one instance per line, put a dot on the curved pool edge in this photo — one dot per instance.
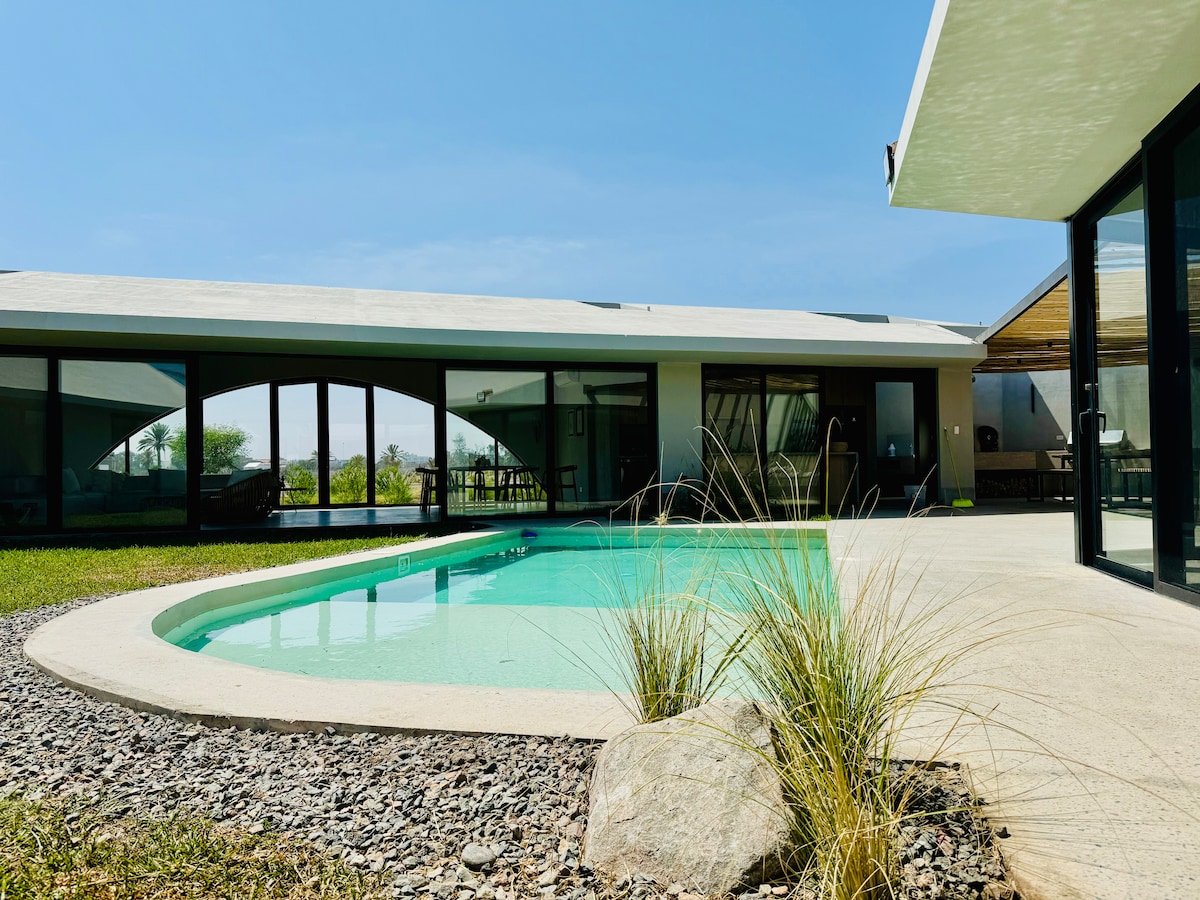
[109, 650]
[112, 650]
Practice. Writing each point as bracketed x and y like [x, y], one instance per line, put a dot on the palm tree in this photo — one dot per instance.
[392, 456]
[156, 438]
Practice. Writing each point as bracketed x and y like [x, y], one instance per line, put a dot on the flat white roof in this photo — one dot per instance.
[107, 311]
[1025, 108]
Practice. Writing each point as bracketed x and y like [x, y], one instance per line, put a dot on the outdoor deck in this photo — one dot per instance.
[375, 517]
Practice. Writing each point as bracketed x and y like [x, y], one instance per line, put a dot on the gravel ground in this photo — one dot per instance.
[467, 818]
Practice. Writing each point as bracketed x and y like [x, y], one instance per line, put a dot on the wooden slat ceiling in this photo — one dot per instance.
[1038, 340]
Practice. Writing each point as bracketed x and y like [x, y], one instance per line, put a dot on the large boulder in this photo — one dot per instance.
[694, 799]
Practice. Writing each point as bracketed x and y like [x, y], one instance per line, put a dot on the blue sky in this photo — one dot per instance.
[705, 153]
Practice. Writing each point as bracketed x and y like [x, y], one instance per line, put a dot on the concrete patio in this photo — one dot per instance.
[1093, 764]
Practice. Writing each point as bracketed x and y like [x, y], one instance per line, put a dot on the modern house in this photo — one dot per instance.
[506, 405]
[1088, 114]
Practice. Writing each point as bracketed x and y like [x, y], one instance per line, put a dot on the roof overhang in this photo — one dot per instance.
[97, 311]
[1026, 108]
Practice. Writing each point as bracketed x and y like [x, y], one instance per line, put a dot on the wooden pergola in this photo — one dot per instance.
[1034, 336]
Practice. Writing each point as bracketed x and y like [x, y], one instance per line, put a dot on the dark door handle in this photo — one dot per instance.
[1101, 419]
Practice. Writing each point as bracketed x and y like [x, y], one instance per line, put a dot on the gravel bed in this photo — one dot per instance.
[438, 816]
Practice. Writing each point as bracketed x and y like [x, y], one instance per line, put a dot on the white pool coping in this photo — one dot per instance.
[112, 650]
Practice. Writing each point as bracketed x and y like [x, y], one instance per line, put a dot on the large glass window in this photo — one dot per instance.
[1120, 434]
[23, 386]
[497, 440]
[298, 455]
[347, 444]
[733, 423]
[404, 442]
[792, 441]
[762, 446]
[1187, 295]
[602, 438]
[124, 459]
[237, 430]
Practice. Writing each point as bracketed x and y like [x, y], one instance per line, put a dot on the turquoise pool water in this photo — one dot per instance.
[529, 611]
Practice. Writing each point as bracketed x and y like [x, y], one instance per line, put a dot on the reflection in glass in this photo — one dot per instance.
[733, 419]
[763, 438]
[496, 437]
[298, 444]
[124, 445]
[792, 439]
[1187, 293]
[1122, 440]
[602, 436]
[23, 386]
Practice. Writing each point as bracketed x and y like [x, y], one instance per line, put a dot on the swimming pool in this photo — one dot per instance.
[522, 609]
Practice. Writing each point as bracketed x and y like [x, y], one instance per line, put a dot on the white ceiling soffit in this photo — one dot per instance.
[1025, 108]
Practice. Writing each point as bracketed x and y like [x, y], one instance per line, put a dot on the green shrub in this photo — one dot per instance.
[392, 486]
[349, 483]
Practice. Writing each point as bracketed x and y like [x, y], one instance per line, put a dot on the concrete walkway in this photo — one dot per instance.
[1093, 764]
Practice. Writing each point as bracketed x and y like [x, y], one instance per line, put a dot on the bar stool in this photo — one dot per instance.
[428, 480]
[564, 478]
[524, 483]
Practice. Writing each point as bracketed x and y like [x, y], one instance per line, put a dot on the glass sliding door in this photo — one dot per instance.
[602, 438]
[733, 419]
[24, 384]
[1185, 166]
[299, 459]
[895, 437]
[1117, 416]
[404, 442]
[762, 450]
[497, 441]
[349, 460]
[793, 460]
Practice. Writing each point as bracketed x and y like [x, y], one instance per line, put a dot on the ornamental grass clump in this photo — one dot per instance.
[847, 668]
[661, 631]
[844, 663]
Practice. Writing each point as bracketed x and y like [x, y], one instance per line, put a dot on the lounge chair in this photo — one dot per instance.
[244, 499]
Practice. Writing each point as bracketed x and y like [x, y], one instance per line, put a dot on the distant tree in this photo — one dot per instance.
[392, 455]
[155, 440]
[224, 448]
[460, 455]
[178, 445]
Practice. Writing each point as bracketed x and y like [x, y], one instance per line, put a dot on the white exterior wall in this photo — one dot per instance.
[680, 415]
[955, 410]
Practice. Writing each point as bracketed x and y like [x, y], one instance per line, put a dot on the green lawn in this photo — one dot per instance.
[37, 577]
[65, 850]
